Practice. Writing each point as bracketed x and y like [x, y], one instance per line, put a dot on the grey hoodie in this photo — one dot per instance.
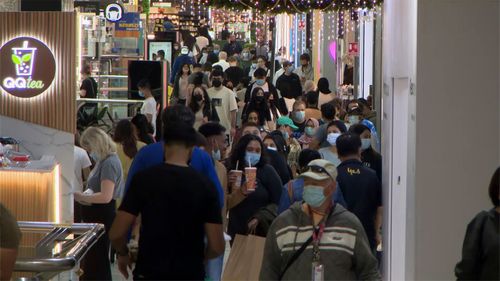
[344, 249]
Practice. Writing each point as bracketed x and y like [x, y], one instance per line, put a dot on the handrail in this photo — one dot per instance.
[51, 266]
[109, 101]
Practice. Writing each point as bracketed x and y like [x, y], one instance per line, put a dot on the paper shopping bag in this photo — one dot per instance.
[245, 259]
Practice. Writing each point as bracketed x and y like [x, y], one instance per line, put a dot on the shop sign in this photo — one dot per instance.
[28, 67]
[129, 22]
[354, 49]
[114, 12]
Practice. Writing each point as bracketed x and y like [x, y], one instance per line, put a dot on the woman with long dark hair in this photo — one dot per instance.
[252, 204]
[143, 128]
[127, 144]
[181, 85]
[189, 41]
[202, 108]
[258, 103]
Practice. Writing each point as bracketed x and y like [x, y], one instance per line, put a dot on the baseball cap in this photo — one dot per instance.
[184, 50]
[320, 169]
[285, 120]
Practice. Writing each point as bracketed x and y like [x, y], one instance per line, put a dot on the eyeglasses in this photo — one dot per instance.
[318, 169]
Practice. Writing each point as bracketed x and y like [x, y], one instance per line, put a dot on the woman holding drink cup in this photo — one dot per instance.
[254, 188]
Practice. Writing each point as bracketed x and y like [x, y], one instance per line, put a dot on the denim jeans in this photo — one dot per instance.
[213, 269]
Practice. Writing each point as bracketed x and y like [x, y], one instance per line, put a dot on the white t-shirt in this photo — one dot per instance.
[224, 101]
[224, 64]
[149, 107]
[82, 161]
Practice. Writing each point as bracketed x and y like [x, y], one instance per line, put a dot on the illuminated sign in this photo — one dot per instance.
[28, 67]
[114, 12]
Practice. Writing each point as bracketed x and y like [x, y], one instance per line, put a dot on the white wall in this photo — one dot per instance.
[457, 144]
[449, 50]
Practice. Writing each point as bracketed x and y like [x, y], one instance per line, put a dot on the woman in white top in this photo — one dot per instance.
[334, 130]
[180, 94]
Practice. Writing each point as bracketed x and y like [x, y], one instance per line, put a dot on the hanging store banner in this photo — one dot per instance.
[128, 26]
[354, 49]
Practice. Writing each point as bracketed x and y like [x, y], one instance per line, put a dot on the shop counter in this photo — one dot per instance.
[32, 193]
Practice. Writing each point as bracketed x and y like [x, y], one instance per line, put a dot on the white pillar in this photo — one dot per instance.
[441, 129]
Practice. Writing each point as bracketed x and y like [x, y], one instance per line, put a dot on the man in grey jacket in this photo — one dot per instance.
[316, 240]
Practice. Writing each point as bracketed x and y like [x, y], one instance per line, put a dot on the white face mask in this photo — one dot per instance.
[365, 144]
[332, 138]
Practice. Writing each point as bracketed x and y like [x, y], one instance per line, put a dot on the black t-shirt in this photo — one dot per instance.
[362, 192]
[289, 86]
[90, 87]
[174, 202]
[234, 74]
[372, 160]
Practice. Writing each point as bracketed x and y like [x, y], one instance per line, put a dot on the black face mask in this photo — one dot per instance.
[216, 83]
[259, 99]
[198, 98]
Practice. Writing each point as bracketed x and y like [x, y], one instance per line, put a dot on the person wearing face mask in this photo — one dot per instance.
[224, 101]
[309, 132]
[277, 157]
[181, 60]
[355, 116]
[258, 103]
[361, 187]
[298, 116]
[215, 136]
[334, 129]
[276, 103]
[369, 156]
[287, 128]
[327, 115]
[251, 208]
[104, 186]
[305, 71]
[293, 190]
[318, 233]
[251, 69]
[202, 108]
[289, 85]
[181, 86]
[149, 106]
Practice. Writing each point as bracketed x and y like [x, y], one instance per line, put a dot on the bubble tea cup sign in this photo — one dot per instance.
[27, 67]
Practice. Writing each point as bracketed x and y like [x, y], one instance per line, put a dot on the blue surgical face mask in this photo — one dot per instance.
[354, 119]
[141, 94]
[365, 144]
[332, 138]
[286, 136]
[216, 52]
[314, 195]
[95, 156]
[309, 131]
[252, 158]
[300, 116]
[216, 155]
[260, 82]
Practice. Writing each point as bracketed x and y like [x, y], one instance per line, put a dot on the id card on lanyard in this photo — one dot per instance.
[318, 270]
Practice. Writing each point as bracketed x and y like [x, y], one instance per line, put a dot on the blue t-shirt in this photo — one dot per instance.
[298, 189]
[153, 155]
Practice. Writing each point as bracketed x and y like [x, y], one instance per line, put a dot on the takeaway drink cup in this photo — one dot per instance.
[23, 59]
[251, 177]
[239, 174]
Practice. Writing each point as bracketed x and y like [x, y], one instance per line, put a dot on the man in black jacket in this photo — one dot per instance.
[289, 83]
[276, 103]
[360, 186]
